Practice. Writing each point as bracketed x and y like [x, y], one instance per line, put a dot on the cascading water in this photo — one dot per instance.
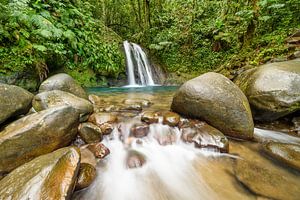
[136, 60]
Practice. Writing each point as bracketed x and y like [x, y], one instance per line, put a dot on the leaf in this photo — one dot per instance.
[38, 47]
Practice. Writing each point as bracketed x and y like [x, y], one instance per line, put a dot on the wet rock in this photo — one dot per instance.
[132, 107]
[87, 156]
[164, 134]
[150, 117]
[13, 101]
[101, 118]
[98, 149]
[272, 89]
[56, 98]
[296, 122]
[218, 101]
[135, 159]
[265, 182]
[289, 154]
[96, 100]
[90, 133]
[63, 82]
[50, 176]
[205, 136]
[143, 102]
[86, 175]
[140, 130]
[171, 118]
[36, 134]
[106, 128]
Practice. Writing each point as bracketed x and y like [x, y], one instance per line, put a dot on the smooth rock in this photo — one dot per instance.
[272, 89]
[205, 136]
[150, 117]
[87, 156]
[36, 134]
[13, 101]
[55, 98]
[63, 82]
[135, 159]
[98, 149]
[101, 118]
[215, 99]
[289, 154]
[106, 128]
[265, 182]
[86, 175]
[50, 176]
[171, 118]
[90, 133]
[139, 130]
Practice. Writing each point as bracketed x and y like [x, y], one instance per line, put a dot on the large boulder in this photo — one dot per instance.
[56, 98]
[13, 101]
[36, 134]
[50, 176]
[215, 99]
[272, 90]
[286, 153]
[65, 83]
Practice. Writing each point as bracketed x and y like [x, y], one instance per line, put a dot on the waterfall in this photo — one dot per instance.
[137, 61]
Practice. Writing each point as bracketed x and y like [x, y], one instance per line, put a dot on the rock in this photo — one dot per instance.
[96, 100]
[101, 118]
[36, 134]
[132, 107]
[87, 156]
[289, 154]
[265, 182]
[150, 117]
[218, 101]
[296, 122]
[98, 149]
[63, 82]
[55, 98]
[171, 118]
[135, 159]
[86, 175]
[140, 130]
[272, 89]
[143, 102]
[90, 133]
[50, 176]
[13, 101]
[106, 128]
[205, 136]
[164, 135]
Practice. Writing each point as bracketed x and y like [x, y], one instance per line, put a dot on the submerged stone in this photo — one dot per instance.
[140, 130]
[13, 101]
[215, 99]
[50, 176]
[135, 159]
[36, 134]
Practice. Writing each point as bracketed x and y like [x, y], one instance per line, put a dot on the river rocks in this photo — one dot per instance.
[272, 89]
[86, 176]
[90, 133]
[218, 101]
[135, 159]
[286, 153]
[150, 117]
[36, 134]
[265, 182]
[13, 101]
[205, 136]
[50, 176]
[143, 102]
[101, 118]
[171, 118]
[139, 130]
[98, 149]
[63, 82]
[55, 98]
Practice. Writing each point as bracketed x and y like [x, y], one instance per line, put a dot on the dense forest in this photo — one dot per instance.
[184, 37]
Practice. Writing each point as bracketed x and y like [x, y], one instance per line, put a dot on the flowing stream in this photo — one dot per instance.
[176, 170]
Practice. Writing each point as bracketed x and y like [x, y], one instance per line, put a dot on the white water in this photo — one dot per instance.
[268, 135]
[136, 60]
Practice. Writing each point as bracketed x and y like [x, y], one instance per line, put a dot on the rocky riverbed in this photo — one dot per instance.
[195, 142]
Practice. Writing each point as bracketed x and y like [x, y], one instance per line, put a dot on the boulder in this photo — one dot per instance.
[150, 117]
[50, 176]
[63, 82]
[36, 134]
[215, 99]
[265, 181]
[205, 136]
[13, 101]
[289, 154]
[55, 98]
[86, 175]
[139, 130]
[90, 133]
[272, 89]
[171, 118]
